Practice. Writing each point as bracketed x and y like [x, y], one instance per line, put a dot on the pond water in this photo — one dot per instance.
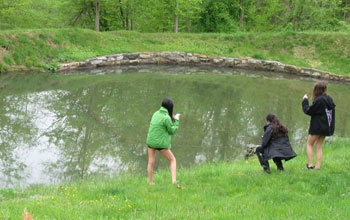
[59, 127]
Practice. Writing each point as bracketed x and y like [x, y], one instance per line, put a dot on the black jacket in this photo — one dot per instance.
[322, 112]
[276, 147]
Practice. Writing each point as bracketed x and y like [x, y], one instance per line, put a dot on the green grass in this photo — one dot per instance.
[40, 48]
[211, 191]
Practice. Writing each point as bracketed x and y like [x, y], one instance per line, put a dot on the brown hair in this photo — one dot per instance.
[278, 126]
[320, 88]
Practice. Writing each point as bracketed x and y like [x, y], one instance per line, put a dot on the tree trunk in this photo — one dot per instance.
[122, 13]
[176, 18]
[97, 18]
[127, 20]
[132, 24]
[241, 14]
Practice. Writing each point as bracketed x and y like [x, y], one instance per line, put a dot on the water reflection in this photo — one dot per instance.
[74, 126]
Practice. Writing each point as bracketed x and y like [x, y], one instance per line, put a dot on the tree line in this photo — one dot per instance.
[177, 15]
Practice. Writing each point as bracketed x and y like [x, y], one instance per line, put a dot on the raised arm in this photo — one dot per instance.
[171, 126]
[310, 110]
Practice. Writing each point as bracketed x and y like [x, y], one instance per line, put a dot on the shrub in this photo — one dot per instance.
[53, 67]
[259, 56]
[8, 59]
[3, 42]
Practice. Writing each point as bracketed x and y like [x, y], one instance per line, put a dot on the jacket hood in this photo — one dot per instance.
[162, 109]
[328, 101]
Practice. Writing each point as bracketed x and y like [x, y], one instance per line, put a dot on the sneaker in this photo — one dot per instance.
[308, 168]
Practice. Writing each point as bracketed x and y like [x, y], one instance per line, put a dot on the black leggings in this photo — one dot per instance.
[265, 163]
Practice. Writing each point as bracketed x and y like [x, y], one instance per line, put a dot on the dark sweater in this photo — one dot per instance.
[322, 112]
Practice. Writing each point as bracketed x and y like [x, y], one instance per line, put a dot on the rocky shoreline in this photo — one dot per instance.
[199, 59]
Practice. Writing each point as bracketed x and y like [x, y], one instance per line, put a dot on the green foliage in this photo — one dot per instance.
[53, 67]
[259, 56]
[3, 43]
[219, 16]
[7, 59]
[307, 49]
[1, 67]
[193, 15]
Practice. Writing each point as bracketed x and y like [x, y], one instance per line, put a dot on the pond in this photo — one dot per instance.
[56, 128]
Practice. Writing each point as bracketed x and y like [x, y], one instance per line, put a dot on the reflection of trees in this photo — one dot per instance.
[103, 127]
[17, 133]
[77, 133]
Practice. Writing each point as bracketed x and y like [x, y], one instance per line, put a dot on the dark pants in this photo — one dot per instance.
[265, 163]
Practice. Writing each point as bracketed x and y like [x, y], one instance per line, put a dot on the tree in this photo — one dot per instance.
[97, 19]
[176, 17]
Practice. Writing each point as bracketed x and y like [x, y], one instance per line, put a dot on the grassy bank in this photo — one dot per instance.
[211, 191]
[45, 48]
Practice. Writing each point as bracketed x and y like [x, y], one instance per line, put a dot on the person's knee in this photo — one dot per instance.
[259, 150]
[172, 160]
[151, 161]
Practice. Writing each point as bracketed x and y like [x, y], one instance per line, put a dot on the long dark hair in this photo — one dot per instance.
[278, 126]
[320, 88]
[169, 105]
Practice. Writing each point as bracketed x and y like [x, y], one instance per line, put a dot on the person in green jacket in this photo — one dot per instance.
[162, 126]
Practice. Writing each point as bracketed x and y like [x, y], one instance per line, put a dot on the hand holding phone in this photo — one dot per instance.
[177, 116]
[305, 97]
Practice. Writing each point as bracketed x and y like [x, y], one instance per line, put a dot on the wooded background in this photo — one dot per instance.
[178, 15]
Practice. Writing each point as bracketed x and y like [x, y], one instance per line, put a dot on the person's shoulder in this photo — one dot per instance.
[326, 99]
[268, 127]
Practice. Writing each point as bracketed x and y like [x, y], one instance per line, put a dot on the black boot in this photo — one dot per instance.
[264, 163]
[278, 163]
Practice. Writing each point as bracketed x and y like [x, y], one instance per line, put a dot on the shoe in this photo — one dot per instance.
[268, 171]
[308, 168]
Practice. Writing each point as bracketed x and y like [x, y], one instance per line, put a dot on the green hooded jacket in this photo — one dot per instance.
[161, 129]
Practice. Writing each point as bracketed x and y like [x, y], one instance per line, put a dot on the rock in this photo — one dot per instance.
[194, 59]
[131, 56]
[316, 74]
[218, 60]
[167, 54]
[134, 61]
[102, 58]
[254, 61]
[110, 59]
[86, 65]
[97, 61]
[145, 56]
[250, 150]
[119, 57]
[228, 61]
[236, 61]
[204, 60]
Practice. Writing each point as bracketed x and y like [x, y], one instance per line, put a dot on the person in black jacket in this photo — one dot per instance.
[275, 144]
[322, 123]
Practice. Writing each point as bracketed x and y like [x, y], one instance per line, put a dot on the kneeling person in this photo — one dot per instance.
[275, 144]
